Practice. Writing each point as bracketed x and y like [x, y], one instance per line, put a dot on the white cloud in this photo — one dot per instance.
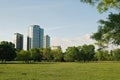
[66, 42]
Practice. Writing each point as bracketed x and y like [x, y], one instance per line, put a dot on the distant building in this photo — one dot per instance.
[41, 37]
[46, 41]
[35, 37]
[18, 41]
[28, 43]
[55, 47]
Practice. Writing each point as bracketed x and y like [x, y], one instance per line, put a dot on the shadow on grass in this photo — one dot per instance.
[32, 62]
[21, 62]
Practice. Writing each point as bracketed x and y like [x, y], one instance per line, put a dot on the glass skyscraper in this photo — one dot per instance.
[18, 41]
[35, 37]
[46, 41]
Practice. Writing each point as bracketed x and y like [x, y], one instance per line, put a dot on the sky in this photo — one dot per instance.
[67, 22]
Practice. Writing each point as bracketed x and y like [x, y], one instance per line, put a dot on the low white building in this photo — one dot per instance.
[55, 47]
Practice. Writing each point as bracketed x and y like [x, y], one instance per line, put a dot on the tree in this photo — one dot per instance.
[116, 54]
[109, 31]
[35, 54]
[80, 55]
[46, 54]
[101, 55]
[101, 41]
[7, 51]
[57, 55]
[71, 54]
[104, 5]
[87, 52]
[23, 55]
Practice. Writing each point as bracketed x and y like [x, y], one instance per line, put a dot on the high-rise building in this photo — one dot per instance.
[41, 37]
[46, 41]
[35, 37]
[18, 41]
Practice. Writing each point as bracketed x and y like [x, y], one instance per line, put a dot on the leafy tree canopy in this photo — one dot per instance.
[35, 54]
[109, 30]
[104, 5]
[71, 54]
[7, 51]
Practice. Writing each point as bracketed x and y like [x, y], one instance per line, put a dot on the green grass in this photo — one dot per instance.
[61, 71]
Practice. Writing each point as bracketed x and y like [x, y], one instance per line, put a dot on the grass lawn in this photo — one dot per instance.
[61, 71]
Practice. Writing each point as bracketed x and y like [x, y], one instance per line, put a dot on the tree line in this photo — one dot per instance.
[84, 53]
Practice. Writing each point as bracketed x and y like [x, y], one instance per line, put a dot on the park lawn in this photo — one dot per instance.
[61, 71]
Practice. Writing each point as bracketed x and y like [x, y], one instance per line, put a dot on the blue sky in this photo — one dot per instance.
[61, 19]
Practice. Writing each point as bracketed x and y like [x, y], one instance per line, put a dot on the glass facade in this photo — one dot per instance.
[35, 37]
[18, 41]
[46, 41]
